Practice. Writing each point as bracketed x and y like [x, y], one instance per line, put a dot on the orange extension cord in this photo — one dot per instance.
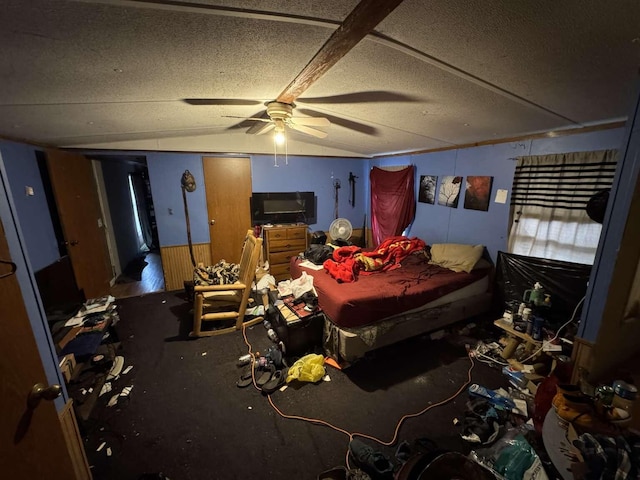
[316, 421]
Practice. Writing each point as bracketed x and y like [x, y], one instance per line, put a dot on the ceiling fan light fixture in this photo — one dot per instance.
[279, 136]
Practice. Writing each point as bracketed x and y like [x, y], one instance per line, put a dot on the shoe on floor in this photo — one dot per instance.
[357, 474]
[245, 379]
[561, 391]
[265, 375]
[277, 380]
[372, 462]
[580, 412]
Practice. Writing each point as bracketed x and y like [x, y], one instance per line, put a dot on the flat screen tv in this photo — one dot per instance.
[283, 207]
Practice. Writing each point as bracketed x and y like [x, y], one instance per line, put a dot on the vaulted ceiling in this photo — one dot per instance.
[181, 76]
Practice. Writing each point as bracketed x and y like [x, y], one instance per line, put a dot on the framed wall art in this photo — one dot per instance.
[427, 193]
[478, 192]
[449, 192]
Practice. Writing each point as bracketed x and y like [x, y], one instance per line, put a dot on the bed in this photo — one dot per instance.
[382, 308]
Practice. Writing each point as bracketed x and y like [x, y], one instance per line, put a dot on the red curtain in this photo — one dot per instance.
[393, 202]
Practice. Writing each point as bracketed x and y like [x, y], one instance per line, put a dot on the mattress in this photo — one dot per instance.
[383, 295]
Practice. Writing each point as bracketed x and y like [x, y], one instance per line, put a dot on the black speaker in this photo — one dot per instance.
[318, 238]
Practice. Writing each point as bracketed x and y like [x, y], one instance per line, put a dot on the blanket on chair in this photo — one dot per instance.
[222, 273]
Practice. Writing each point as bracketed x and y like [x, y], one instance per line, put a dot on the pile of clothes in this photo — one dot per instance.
[348, 262]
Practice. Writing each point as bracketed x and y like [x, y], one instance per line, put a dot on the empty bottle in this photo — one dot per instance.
[271, 333]
[244, 359]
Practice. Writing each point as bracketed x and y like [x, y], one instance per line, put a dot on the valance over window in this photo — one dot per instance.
[548, 203]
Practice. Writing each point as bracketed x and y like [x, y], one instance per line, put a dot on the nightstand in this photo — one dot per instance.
[299, 335]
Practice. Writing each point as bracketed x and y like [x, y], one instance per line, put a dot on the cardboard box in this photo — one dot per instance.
[67, 365]
[70, 335]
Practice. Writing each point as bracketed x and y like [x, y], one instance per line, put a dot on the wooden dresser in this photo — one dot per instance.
[281, 242]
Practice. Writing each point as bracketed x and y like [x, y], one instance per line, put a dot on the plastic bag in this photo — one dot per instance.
[297, 287]
[511, 458]
[309, 368]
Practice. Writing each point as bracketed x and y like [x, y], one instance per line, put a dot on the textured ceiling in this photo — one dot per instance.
[114, 74]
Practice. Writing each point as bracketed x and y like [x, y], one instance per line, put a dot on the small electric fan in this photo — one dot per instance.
[340, 231]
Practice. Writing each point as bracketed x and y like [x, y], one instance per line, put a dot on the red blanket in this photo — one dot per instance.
[381, 295]
[347, 262]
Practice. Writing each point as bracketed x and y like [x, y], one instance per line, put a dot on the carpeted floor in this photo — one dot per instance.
[185, 416]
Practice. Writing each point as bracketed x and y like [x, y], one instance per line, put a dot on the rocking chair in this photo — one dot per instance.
[229, 301]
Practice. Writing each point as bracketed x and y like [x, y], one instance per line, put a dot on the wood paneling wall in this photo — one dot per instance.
[176, 263]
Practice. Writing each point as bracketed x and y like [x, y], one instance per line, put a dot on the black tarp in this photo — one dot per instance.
[565, 282]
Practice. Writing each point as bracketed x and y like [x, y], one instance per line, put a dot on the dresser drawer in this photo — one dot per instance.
[280, 272]
[277, 258]
[283, 245]
[286, 233]
[297, 233]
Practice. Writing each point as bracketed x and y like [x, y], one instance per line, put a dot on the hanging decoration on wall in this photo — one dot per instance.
[478, 193]
[352, 189]
[449, 192]
[336, 187]
[427, 193]
[188, 184]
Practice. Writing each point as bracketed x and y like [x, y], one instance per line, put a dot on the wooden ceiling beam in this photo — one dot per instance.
[358, 24]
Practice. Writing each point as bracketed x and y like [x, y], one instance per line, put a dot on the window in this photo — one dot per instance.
[548, 204]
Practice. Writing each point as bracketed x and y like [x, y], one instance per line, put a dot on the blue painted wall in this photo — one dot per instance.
[433, 223]
[313, 174]
[33, 213]
[165, 172]
[24, 274]
[613, 227]
[116, 182]
[439, 224]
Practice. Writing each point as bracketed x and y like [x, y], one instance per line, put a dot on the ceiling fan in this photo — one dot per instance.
[280, 115]
[279, 112]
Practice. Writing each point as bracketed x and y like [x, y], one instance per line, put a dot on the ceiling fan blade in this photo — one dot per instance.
[311, 121]
[256, 119]
[261, 128]
[221, 101]
[247, 122]
[343, 122]
[362, 20]
[308, 130]
[372, 96]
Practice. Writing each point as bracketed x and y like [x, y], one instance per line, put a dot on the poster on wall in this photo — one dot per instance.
[449, 191]
[427, 193]
[478, 193]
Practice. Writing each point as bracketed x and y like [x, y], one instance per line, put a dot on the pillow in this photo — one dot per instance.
[456, 257]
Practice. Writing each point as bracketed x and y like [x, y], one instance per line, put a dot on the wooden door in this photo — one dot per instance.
[228, 185]
[76, 197]
[32, 444]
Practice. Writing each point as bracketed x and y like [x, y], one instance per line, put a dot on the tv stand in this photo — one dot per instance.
[281, 242]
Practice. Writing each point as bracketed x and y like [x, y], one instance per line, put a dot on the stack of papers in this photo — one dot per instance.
[91, 306]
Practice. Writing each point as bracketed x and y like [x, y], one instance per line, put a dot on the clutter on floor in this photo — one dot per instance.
[534, 425]
[506, 426]
[88, 349]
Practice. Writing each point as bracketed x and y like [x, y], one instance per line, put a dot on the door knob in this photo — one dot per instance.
[39, 392]
[212, 221]
[73, 243]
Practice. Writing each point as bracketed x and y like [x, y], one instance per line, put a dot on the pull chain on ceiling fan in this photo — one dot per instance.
[279, 113]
